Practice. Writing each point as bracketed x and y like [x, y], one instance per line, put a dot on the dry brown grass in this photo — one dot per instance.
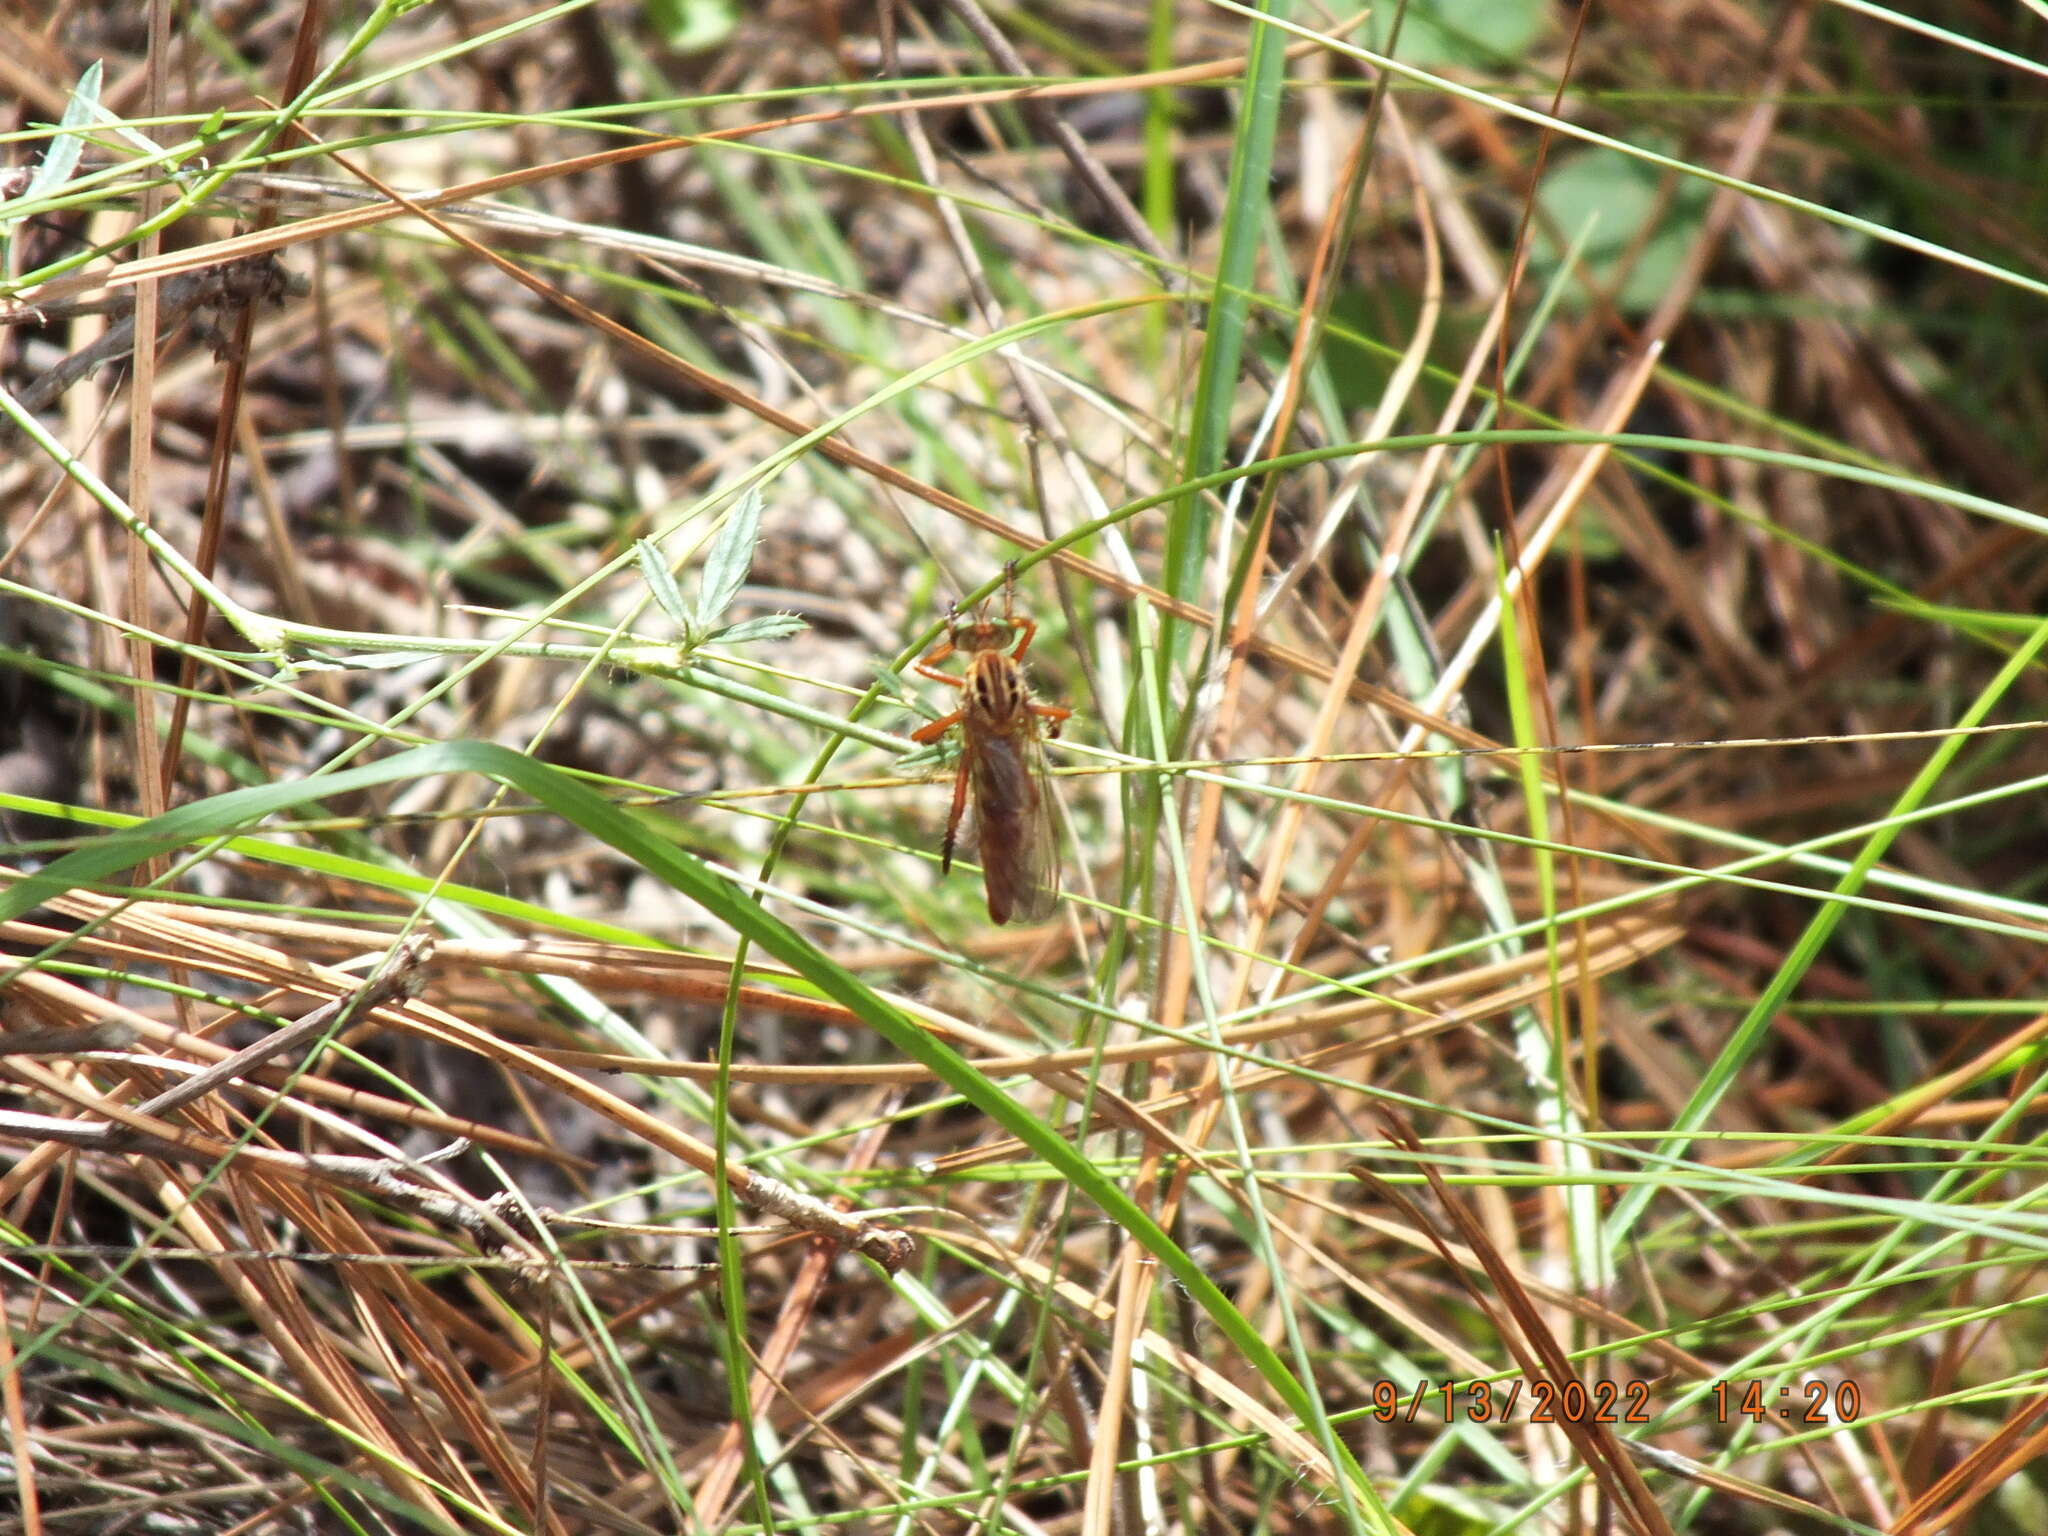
[1477, 976]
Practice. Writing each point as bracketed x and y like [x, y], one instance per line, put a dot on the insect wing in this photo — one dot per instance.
[1015, 825]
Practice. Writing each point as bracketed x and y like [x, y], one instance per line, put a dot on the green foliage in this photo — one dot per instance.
[1466, 34]
[692, 26]
[726, 565]
[60, 159]
[1625, 202]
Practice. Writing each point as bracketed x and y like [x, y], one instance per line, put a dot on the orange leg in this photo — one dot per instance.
[927, 665]
[1028, 631]
[926, 734]
[953, 820]
[1053, 714]
[1026, 628]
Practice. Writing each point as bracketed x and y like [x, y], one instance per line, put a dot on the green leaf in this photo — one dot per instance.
[654, 571]
[1246, 203]
[312, 660]
[1626, 196]
[692, 26]
[730, 558]
[899, 692]
[1468, 34]
[929, 758]
[768, 626]
[61, 158]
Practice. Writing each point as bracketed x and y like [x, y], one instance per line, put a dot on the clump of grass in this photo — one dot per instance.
[1533, 526]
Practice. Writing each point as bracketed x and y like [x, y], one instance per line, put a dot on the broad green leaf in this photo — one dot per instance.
[1626, 196]
[692, 26]
[1467, 34]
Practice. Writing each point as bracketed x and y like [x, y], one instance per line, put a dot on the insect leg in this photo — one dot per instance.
[1053, 715]
[928, 733]
[1027, 629]
[953, 820]
[927, 665]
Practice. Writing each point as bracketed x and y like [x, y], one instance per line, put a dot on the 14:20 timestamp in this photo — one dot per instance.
[1807, 1402]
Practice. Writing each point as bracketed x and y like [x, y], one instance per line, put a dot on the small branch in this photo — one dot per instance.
[398, 975]
[235, 285]
[374, 1175]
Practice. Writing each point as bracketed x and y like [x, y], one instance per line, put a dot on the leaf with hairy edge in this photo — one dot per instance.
[654, 571]
[730, 558]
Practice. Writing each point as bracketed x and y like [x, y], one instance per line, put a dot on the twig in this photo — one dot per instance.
[397, 976]
[238, 283]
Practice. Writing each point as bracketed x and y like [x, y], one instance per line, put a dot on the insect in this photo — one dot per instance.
[1002, 759]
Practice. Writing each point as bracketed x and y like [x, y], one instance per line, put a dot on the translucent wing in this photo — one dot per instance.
[1015, 824]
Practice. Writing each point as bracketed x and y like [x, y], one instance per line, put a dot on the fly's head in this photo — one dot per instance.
[981, 631]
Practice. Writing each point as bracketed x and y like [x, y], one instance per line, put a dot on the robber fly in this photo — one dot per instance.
[1001, 758]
